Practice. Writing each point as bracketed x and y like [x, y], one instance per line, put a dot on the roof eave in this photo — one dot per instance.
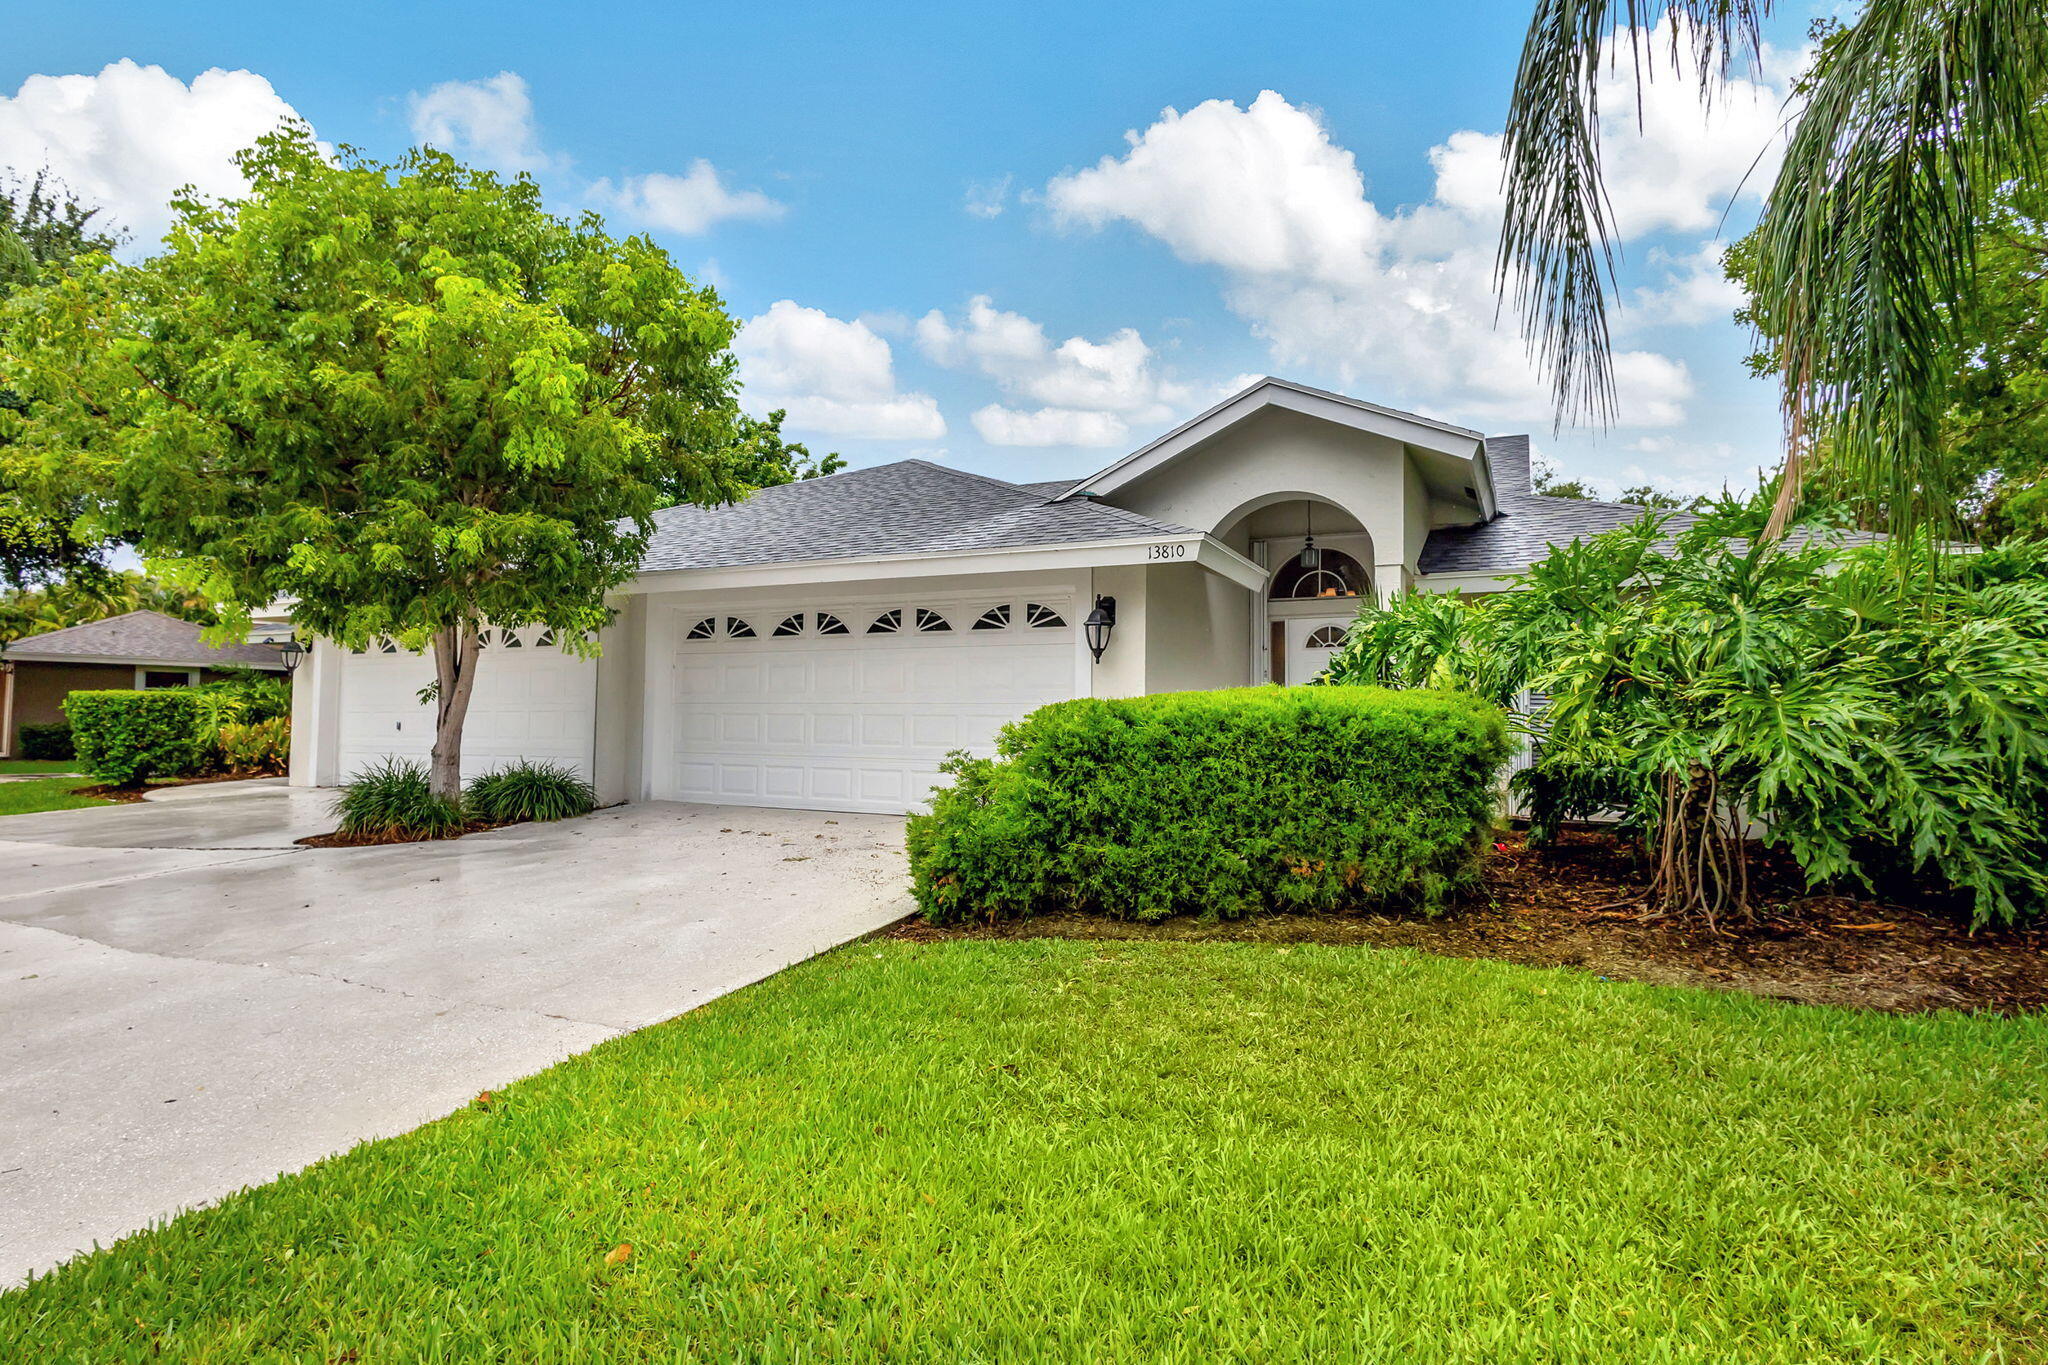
[1199, 548]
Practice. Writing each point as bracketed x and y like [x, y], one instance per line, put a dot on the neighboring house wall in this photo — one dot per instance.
[40, 689]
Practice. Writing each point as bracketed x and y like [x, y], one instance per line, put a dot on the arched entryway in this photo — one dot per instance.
[1319, 559]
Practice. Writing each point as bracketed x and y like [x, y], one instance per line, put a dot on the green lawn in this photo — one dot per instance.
[1067, 1151]
[58, 793]
[38, 765]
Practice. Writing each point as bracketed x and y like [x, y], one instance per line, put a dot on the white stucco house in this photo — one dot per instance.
[824, 644]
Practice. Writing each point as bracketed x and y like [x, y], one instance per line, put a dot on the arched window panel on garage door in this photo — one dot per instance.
[704, 629]
[888, 623]
[931, 622]
[789, 625]
[1038, 616]
[995, 618]
[828, 624]
[737, 629]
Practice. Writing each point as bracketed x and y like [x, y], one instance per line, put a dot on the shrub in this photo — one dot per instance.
[393, 799]
[47, 741]
[1881, 710]
[125, 737]
[257, 695]
[262, 746]
[529, 791]
[1217, 804]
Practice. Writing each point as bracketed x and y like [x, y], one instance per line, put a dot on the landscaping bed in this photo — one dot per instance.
[1571, 906]
[1094, 1151]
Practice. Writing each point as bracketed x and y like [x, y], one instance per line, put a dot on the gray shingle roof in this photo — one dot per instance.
[1529, 523]
[142, 637]
[910, 507]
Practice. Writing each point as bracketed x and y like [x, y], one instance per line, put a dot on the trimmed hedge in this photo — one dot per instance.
[47, 741]
[125, 737]
[1217, 804]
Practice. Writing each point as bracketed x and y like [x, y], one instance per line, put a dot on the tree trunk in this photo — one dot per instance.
[455, 661]
[1789, 480]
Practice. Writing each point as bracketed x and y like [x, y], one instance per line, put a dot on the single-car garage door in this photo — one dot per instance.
[531, 701]
[853, 707]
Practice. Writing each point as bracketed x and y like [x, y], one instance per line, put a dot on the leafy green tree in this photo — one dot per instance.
[1913, 117]
[759, 456]
[402, 394]
[88, 597]
[42, 227]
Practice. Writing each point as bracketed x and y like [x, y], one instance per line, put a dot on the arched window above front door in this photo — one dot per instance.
[1338, 575]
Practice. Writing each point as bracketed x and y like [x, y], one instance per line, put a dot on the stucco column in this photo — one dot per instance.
[1390, 581]
[316, 718]
[618, 751]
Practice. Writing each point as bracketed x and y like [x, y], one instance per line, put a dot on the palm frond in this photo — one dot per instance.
[1556, 247]
[1917, 114]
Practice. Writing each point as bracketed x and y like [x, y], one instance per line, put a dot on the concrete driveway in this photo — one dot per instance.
[190, 1002]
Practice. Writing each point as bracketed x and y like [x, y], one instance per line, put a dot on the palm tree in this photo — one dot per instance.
[1907, 125]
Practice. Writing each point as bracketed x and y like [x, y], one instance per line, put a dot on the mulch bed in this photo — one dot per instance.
[1567, 906]
[339, 840]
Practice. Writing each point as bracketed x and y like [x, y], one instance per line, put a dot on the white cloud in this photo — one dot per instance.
[835, 377]
[1001, 426]
[129, 137]
[1695, 289]
[690, 203]
[1402, 301]
[1089, 391]
[987, 198]
[489, 122]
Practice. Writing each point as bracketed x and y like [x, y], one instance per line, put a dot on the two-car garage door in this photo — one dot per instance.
[820, 704]
[841, 706]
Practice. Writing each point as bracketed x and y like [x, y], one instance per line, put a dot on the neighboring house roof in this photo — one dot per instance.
[1529, 522]
[137, 637]
[910, 507]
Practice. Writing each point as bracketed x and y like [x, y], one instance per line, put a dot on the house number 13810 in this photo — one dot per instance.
[1166, 552]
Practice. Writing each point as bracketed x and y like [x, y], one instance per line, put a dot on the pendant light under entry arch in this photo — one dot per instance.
[1310, 557]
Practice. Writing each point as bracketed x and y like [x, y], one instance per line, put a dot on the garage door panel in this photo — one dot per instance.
[857, 722]
[534, 703]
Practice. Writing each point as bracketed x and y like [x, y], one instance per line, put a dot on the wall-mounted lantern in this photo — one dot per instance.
[291, 654]
[1098, 625]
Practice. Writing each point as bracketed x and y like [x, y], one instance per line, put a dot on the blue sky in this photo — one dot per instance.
[974, 233]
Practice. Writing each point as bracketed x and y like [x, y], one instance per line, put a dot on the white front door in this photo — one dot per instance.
[1311, 640]
[853, 707]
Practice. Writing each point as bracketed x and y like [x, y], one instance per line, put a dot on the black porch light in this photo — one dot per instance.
[1098, 625]
[291, 654]
[1311, 558]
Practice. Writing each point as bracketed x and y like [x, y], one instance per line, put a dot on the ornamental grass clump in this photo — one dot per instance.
[529, 791]
[392, 799]
[1216, 804]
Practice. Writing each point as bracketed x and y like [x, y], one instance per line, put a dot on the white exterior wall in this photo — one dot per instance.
[1197, 630]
